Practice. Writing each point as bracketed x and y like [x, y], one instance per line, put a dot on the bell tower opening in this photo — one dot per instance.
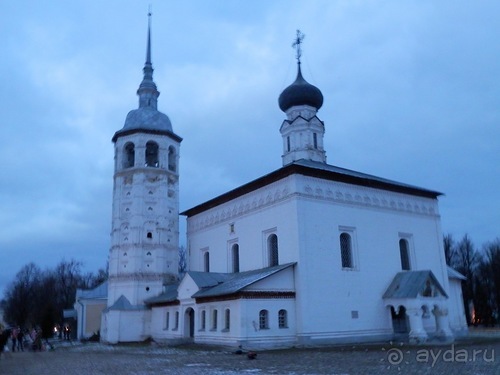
[152, 154]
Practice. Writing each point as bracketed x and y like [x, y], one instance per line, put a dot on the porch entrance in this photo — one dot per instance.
[399, 320]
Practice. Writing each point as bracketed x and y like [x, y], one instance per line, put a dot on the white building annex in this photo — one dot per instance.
[309, 254]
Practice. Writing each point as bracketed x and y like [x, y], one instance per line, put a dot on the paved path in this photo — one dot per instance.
[474, 356]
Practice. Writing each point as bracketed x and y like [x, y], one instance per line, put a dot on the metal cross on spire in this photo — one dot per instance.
[296, 44]
[148, 49]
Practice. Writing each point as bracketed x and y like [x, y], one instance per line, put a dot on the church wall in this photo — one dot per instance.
[457, 311]
[247, 221]
[125, 326]
[308, 215]
[160, 329]
[134, 325]
[244, 326]
[353, 296]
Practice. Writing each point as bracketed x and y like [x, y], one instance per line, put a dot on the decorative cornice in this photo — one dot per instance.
[313, 188]
[123, 133]
[142, 276]
[318, 170]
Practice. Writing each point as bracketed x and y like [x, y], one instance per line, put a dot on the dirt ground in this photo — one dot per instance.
[474, 356]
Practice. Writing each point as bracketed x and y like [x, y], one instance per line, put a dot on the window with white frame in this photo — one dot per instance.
[264, 319]
[272, 250]
[404, 253]
[346, 250]
[282, 319]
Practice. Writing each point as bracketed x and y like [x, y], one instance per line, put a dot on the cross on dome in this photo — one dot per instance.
[296, 44]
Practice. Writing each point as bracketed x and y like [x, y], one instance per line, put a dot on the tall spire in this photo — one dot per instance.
[148, 51]
[148, 93]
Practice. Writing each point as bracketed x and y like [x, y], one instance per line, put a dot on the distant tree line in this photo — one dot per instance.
[37, 298]
[481, 267]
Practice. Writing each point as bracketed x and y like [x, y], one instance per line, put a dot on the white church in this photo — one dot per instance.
[308, 254]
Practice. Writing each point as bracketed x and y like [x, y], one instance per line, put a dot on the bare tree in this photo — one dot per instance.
[449, 249]
[492, 256]
[182, 261]
[20, 296]
[466, 262]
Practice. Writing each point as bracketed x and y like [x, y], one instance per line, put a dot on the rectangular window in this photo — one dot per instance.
[315, 140]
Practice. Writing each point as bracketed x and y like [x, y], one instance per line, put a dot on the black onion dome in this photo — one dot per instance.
[300, 93]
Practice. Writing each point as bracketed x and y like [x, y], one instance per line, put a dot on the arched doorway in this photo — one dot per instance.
[399, 320]
[189, 323]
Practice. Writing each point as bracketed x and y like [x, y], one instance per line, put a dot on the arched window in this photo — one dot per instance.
[152, 154]
[214, 320]
[171, 159]
[263, 319]
[167, 320]
[346, 250]
[272, 250]
[203, 319]
[128, 155]
[227, 319]
[235, 254]
[404, 252]
[206, 261]
[315, 140]
[176, 325]
[282, 319]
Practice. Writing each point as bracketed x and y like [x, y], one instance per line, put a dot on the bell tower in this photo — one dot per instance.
[145, 213]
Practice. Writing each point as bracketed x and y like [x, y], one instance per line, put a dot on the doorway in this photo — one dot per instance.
[189, 323]
[399, 320]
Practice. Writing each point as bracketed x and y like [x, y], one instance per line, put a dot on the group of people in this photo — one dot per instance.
[20, 339]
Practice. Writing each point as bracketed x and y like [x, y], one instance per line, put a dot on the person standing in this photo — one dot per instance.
[13, 337]
[20, 339]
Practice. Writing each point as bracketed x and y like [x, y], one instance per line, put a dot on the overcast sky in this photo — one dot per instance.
[411, 88]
